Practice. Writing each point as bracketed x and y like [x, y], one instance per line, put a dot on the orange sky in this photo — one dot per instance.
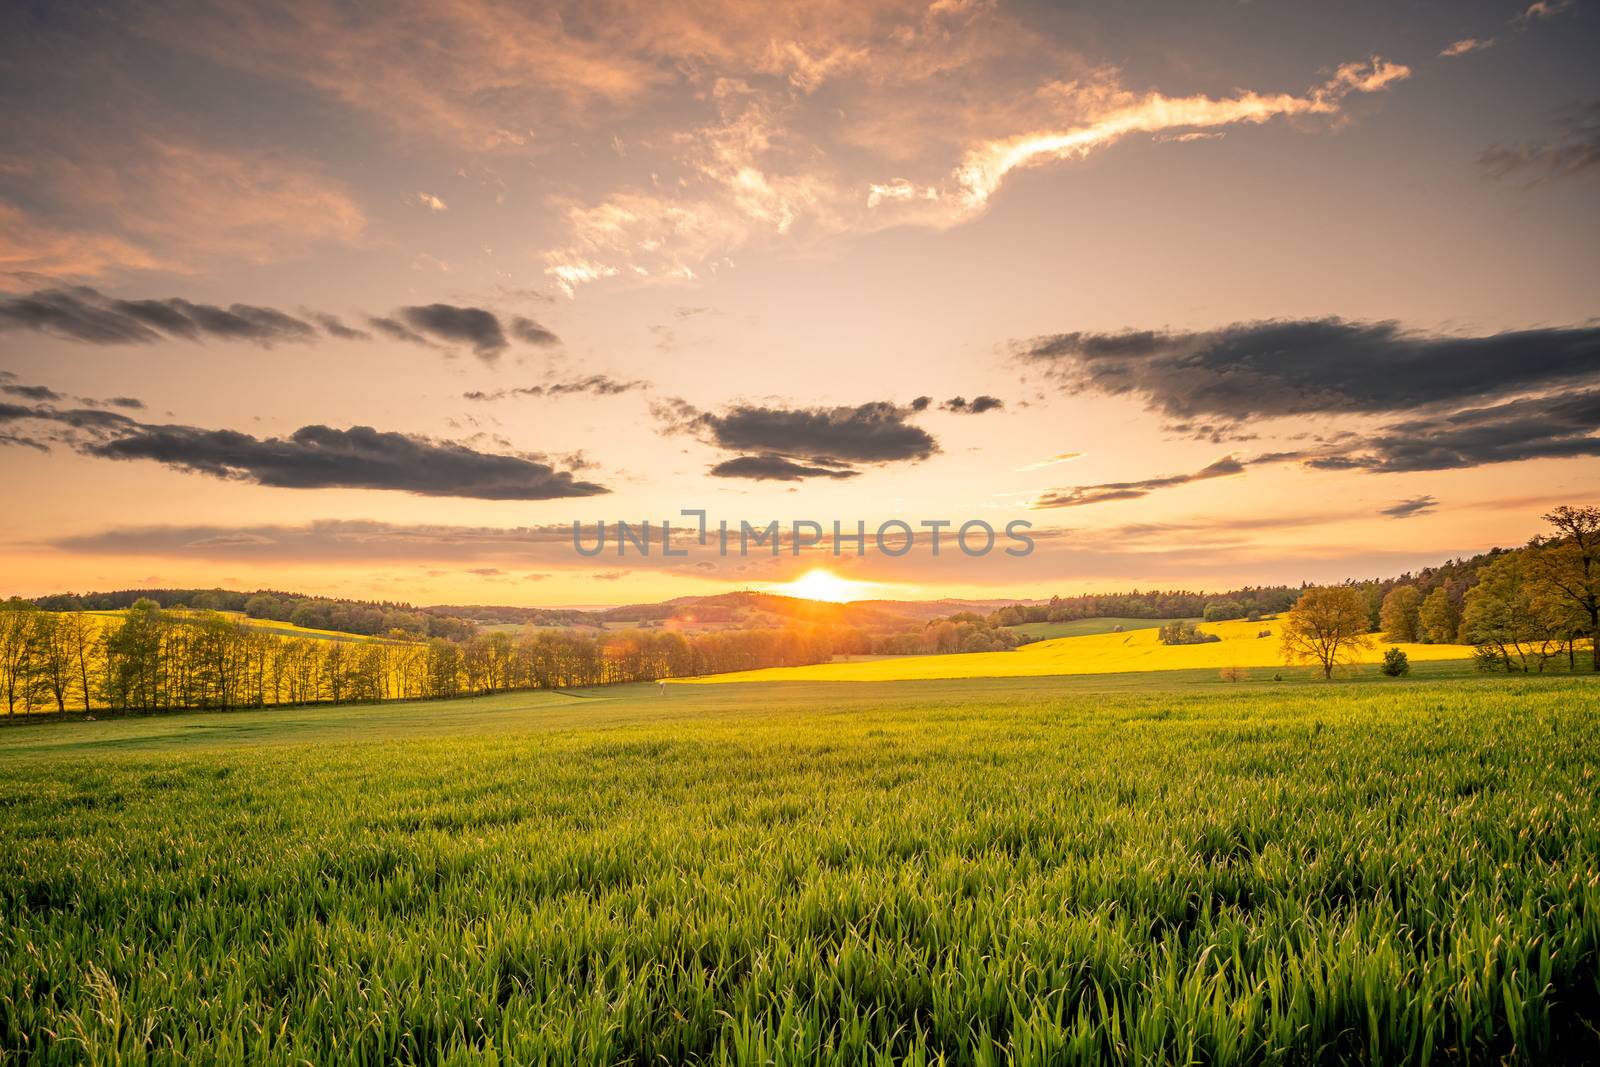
[725, 249]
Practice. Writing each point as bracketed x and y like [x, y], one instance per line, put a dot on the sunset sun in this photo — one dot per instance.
[824, 585]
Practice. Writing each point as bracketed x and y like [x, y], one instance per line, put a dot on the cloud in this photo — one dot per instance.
[330, 540]
[976, 406]
[1059, 457]
[1108, 491]
[398, 331]
[1404, 509]
[84, 314]
[80, 313]
[334, 327]
[1544, 9]
[33, 246]
[1113, 113]
[313, 457]
[1284, 368]
[1573, 150]
[595, 384]
[118, 202]
[1558, 426]
[772, 467]
[866, 116]
[467, 325]
[829, 441]
[429, 201]
[31, 392]
[529, 332]
[1466, 46]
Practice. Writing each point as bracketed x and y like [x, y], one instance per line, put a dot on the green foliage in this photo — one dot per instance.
[1185, 632]
[1224, 610]
[1399, 618]
[1395, 663]
[966, 874]
[1438, 618]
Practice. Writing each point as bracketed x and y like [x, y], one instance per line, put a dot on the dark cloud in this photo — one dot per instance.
[130, 403]
[826, 438]
[775, 468]
[31, 392]
[463, 325]
[1404, 509]
[83, 314]
[793, 443]
[398, 331]
[313, 457]
[976, 406]
[1320, 366]
[1574, 149]
[1551, 427]
[334, 327]
[531, 333]
[1108, 491]
[596, 384]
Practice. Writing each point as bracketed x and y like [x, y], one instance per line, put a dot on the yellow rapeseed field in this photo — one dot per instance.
[1135, 650]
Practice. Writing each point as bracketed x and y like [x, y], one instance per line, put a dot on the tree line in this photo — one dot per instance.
[151, 659]
[1521, 609]
[366, 618]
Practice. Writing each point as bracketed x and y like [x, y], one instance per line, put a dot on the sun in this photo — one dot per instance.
[823, 585]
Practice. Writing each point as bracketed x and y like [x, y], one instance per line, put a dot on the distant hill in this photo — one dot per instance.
[748, 609]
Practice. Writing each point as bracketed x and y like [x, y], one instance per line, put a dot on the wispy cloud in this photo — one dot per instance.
[1105, 492]
[1573, 149]
[1111, 113]
[1466, 46]
[1059, 457]
[1405, 509]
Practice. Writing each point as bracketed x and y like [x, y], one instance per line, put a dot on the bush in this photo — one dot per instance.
[1395, 663]
[1184, 632]
[1234, 674]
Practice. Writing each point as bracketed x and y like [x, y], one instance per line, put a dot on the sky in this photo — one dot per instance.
[377, 301]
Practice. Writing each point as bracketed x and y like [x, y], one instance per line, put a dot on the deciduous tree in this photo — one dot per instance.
[1327, 626]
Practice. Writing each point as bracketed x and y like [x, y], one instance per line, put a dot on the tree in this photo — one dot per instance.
[1399, 615]
[1511, 621]
[1567, 567]
[1438, 620]
[1395, 663]
[1223, 610]
[1327, 626]
[17, 651]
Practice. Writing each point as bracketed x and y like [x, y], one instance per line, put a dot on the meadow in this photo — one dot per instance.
[1136, 868]
[1242, 645]
[1104, 624]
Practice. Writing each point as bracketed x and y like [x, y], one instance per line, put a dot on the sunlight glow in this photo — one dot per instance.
[823, 585]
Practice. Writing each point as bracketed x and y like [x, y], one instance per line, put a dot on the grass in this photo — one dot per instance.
[1154, 868]
[1044, 631]
[1138, 651]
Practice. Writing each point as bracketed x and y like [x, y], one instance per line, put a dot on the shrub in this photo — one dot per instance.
[1234, 674]
[1184, 632]
[1395, 663]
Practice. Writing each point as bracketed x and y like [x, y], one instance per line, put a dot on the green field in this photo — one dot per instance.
[276, 627]
[1030, 870]
[1045, 631]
